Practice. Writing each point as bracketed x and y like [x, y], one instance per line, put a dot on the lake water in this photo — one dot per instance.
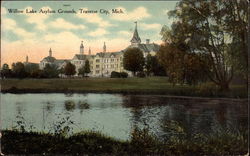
[117, 115]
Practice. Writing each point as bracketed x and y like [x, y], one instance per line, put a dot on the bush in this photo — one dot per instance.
[115, 74]
[141, 74]
[124, 75]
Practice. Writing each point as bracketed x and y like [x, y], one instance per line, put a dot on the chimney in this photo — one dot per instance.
[147, 41]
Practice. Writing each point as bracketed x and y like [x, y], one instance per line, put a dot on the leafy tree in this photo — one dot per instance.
[50, 71]
[38, 73]
[81, 71]
[133, 60]
[87, 67]
[31, 68]
[173, 60]
[153, 66]
[18, 70]
[210, 28]
[6, 71]
[69, 69]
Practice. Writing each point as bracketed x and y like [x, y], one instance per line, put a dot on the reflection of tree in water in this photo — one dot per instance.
[82, 105]
[69, 105]
[49, 106]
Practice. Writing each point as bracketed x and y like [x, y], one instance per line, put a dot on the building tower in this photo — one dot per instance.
[104, 48]
[89, 51]
[27, 59]
[81, 48]
[135, 39]
[50, 52]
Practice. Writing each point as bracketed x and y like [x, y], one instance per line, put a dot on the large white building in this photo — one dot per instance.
[102, 63]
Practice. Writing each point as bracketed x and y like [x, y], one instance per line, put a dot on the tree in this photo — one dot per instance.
[69, 69]
[50, 71]
[87, 67]
[84, 69]
[205, 27]
[182, 67]
[153, 66]
[81, 71]
[18, 70]
[5, 72]
[31, 68]
[172, 59]
[133, 60]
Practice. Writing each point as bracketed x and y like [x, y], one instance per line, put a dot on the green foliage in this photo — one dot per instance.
[124, 75]
[50, 71]
[69, 69]
[153, 66]
[31, 69]
[115, 74]
[87, 67]
[222, 142]
[133, 60]
[6, 71]
[81, 71]
[18, 70]
[209, 27]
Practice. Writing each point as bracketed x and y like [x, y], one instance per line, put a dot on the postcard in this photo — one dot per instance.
[124, 77]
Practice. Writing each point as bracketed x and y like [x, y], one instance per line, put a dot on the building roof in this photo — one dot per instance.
[82, 57]
[61, 61]
[135, 38]
[109, 54]
[49, 59]
[146, 47]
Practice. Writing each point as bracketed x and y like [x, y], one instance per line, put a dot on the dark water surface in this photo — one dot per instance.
[117, 115]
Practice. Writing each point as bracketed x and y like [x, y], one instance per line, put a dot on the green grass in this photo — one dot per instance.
[149, 85]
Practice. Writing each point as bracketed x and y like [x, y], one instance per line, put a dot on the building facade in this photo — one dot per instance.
[102, 63]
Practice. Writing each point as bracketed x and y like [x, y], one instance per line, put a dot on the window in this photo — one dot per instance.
[112, 66]
[112, 60]
[97, 66]
[97, 60]
[97, 71]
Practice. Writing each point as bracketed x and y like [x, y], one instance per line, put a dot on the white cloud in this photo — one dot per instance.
[135, 15]
[3, 11]
[62, 24]
[10, 24]
[38, 18]
[98, 32]
[94, 18]
[62, 37]
[150, 26]
[125, 33]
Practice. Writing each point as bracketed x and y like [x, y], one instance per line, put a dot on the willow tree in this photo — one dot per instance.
[204, 27]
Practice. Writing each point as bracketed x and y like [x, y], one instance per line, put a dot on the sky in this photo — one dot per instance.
[33, 34]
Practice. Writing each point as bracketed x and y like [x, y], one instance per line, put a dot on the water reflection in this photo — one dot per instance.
[116, 115]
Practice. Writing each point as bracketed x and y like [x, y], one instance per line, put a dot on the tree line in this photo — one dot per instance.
[31, 70]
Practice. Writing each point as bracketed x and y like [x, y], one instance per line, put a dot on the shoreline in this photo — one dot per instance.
[123, 92]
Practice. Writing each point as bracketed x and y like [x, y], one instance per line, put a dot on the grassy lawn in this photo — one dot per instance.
[149, 85]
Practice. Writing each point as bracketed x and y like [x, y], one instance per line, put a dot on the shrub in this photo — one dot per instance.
[115, 74]
[124, 75]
